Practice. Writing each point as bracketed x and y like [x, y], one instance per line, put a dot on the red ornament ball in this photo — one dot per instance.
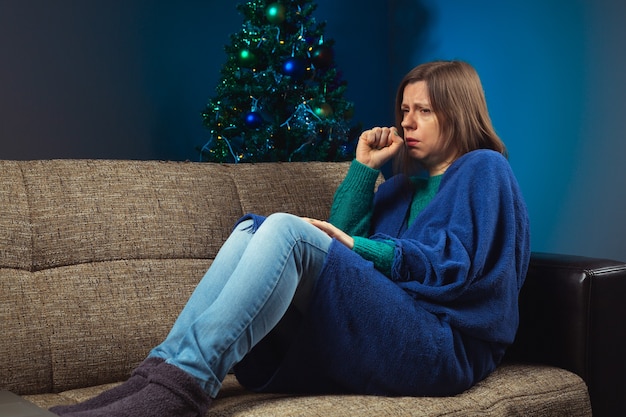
[322, 56]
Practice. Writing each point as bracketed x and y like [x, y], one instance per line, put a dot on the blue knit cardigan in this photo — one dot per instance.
[442, 321]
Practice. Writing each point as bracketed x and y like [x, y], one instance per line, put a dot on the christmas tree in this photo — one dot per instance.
[280, 96]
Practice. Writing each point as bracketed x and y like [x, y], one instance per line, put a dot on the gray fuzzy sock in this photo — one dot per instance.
[137, 381]
[170, 392]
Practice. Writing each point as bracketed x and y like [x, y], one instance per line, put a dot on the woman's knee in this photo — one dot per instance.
[283, 222]
[282, 218]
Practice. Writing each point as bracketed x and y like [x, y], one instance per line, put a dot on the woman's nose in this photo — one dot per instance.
[407, 122]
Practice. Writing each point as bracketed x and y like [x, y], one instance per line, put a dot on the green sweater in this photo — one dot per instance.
[352, 211]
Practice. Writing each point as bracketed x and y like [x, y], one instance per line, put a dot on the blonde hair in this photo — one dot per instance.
[458, 100]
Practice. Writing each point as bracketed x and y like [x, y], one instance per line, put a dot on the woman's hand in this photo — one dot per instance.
[332, 231]
[378, 145]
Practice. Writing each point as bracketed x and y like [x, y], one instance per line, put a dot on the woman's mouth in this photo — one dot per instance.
[411, 142]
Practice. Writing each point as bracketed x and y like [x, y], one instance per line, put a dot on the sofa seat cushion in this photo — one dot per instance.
[512, 390]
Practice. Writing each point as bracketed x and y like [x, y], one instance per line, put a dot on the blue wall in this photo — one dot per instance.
[128, 79]
[553, 71]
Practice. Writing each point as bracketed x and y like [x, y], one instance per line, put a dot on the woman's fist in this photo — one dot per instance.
[377, 145]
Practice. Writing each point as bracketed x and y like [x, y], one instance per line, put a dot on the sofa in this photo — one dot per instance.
[97, 258]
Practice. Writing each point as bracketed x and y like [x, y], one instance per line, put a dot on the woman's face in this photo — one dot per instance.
[422, 134]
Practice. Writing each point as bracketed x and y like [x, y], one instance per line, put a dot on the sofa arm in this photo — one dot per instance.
[573, 316]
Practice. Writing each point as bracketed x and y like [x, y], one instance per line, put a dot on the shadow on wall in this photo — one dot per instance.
[408, 37]
[374, 50]
[409, 29]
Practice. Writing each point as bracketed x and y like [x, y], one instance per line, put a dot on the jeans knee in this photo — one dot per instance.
[280, 221]
[284, 226]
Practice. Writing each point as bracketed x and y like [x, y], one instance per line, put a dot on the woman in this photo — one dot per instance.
[409, 290]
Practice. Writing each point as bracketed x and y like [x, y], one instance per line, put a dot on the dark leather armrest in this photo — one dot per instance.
[573, 315]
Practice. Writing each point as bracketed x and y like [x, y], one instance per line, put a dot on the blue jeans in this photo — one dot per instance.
[254, 278]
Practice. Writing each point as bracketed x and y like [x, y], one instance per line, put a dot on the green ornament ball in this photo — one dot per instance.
[324, 110]
[275, 13]
[247, 58]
